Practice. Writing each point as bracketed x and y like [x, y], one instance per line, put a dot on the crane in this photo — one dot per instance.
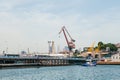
[91, 48]
[70, 43]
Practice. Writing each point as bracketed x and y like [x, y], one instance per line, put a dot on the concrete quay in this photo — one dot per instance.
[107, 63]
[39, 61]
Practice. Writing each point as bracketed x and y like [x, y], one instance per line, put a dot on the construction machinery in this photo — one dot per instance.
[70, 42]
[91, 48]
[94, 51]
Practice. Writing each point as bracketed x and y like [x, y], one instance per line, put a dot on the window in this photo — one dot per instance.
[113, 57]
[116, 57]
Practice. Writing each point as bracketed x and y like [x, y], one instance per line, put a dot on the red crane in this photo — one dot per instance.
[70, 43]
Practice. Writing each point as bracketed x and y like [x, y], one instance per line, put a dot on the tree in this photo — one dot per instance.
[100, 43]
[76, 53]
[111, 46]
[102, 46]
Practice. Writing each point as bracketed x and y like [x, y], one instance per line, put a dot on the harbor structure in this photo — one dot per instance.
[55, 59]
[51, 46]
[70, 43]
[38, 60]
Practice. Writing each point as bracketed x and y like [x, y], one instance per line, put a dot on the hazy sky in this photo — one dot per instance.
[32, 23]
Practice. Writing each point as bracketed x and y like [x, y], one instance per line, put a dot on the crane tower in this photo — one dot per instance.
[70, 42]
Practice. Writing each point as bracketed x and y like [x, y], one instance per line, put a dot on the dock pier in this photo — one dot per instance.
[39, 61]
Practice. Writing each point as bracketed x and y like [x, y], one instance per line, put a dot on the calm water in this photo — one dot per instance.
[100, 72]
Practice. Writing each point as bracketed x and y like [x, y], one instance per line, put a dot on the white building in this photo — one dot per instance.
[118, 46]
[115, 57]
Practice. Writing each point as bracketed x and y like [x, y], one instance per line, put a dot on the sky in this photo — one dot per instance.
[32, 23]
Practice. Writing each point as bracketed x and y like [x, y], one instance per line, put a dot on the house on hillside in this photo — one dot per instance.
[118, 46]
[116, 57]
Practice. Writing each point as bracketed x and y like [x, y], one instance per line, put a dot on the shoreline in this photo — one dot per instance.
[107, 63]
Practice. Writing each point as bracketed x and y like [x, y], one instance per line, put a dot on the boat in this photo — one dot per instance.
[89, 62]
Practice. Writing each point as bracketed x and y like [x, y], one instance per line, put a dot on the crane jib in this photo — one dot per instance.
[70, 43]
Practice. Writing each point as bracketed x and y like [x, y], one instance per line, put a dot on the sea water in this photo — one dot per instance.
[76, 72]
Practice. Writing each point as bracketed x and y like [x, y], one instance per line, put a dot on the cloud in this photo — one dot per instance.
[100, 27]
[27, 24]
